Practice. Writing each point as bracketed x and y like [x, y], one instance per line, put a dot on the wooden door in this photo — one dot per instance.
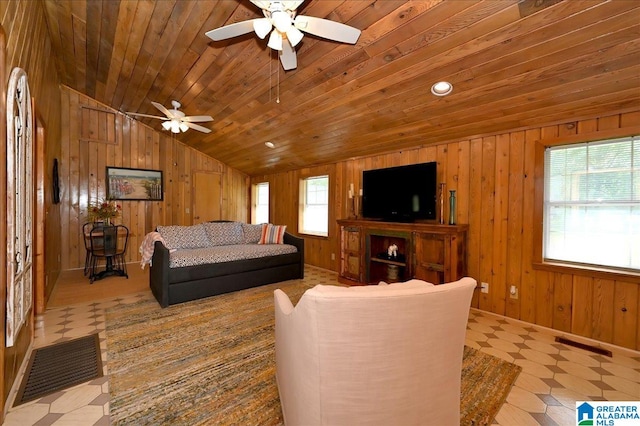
[207, 197]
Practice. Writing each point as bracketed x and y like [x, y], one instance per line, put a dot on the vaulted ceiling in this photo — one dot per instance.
[513, 64]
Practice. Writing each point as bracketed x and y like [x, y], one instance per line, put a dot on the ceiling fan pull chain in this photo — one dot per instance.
[270, 76]
[278, 91]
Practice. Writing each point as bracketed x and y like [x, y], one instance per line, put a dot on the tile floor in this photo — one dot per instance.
[554, 376]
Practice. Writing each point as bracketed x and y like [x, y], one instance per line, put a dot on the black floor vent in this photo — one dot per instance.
[60, 366]
[584, 346]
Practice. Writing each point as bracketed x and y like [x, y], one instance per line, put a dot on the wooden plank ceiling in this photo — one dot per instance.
[513, 65]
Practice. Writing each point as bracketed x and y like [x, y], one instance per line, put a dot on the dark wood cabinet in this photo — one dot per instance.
[350, 253]
[430, 252]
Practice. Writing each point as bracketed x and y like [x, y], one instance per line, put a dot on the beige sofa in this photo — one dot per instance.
[372, 355]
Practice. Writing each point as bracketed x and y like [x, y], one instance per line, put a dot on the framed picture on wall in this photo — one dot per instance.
[134, 184]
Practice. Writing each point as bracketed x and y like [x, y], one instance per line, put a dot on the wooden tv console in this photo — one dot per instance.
[426, 251]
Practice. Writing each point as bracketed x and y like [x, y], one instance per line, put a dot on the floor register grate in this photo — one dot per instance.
[60, 366]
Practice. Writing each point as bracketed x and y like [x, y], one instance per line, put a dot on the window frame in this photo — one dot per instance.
[302, 204]
[539, 263]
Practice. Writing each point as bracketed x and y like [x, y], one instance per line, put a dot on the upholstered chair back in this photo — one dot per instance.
[372, 355]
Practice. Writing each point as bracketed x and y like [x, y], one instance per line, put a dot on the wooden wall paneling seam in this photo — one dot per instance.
[625, 314]
[474, 241]
[527, 287]
[441, 171]
[562, 292]
[462, 182]
[499, 288]
[514, 225]
[602, 310]
[487, 219]
[582, 314]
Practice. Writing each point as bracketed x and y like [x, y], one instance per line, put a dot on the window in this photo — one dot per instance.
[314, 215]
[261, 203]
[592, 203]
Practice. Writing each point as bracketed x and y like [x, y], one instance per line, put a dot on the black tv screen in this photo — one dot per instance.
[400, 194]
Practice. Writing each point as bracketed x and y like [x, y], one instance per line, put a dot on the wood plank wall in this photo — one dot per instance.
[94, 137]
[494, 181]
[28, 46]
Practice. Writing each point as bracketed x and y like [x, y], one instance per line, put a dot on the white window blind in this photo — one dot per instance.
[262, 203]
[592, 203]
[315, 206]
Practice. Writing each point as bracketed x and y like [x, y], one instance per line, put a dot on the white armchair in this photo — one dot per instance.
[372, 355]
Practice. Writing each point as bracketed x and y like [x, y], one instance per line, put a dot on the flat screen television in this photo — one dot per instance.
[400, 194]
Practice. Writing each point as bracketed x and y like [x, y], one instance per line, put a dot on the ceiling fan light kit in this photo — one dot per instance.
[286, 29]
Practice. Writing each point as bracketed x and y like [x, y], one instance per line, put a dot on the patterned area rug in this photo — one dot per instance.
[212, 361]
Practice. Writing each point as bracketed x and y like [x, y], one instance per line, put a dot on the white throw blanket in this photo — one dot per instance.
[147, 246]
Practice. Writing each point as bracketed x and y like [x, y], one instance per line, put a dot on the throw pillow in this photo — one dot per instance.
[224, 233]
[252, 233]
[272, 234]
[184, 237]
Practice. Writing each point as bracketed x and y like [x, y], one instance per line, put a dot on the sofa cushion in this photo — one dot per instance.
[184, 237]
[224, 233]
[272, 234]
[227, 253]
[252, 233]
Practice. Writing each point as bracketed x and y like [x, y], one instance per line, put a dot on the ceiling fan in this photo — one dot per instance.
[280, 16]
[176, 120]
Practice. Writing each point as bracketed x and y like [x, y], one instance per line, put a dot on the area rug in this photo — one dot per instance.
[60, 366]
[212, 361]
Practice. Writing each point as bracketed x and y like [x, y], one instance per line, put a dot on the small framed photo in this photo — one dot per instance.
[134, 184]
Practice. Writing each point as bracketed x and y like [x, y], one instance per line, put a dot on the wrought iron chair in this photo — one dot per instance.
[86, 230]
[108, 243]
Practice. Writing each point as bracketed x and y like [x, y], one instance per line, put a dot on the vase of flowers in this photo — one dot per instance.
[104, 211]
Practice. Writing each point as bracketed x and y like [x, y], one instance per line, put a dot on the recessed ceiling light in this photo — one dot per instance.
[442, 88]
[269, 144]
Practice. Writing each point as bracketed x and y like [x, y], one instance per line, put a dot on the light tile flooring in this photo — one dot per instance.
[554, 376]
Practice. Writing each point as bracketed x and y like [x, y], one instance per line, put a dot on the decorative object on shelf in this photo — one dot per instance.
[442, 185]
[104, 211]
[393, 272]
[392, 251]
[452, 207]
[353, 204]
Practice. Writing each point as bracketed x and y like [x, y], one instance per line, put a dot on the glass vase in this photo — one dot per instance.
[452, 207]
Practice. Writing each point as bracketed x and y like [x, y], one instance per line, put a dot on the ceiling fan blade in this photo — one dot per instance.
[261, 4]
[147, 115]
[232, 30]
[197, 127]
[292, 5]
[327, 29]
[288, 57]
[162, 109]
[197, 118]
